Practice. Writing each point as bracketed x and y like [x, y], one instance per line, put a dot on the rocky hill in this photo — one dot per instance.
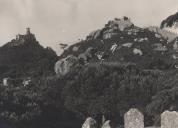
[24, 56]
[121, 41]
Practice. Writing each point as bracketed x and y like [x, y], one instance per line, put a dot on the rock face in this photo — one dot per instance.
[169, 119]
[133, 119]
[89, 123]
[63, 66]
[171, 23]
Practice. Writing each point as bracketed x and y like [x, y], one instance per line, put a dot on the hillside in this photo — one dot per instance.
[121, 41]
[118, 67]
[24, 56]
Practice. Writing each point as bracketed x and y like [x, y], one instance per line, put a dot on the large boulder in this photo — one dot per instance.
[63, 66]
[89, 123]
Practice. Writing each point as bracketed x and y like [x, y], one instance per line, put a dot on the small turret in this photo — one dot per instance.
[28, 31]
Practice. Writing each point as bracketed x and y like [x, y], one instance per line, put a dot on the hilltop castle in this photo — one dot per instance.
[27, 36]
[20, 39]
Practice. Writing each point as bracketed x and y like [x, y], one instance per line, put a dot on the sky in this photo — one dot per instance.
[65, 21]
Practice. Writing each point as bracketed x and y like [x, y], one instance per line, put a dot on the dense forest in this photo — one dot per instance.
[94, 90]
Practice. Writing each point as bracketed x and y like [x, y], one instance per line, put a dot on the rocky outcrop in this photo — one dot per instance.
[120, 24]
[63, 66]
[114, 26]
[111, 29]
[170, 23]
[163, 33]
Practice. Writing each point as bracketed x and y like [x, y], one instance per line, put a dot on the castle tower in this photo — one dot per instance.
[28, 31]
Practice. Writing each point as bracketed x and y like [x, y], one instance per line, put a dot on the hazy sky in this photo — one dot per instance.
[65, 21]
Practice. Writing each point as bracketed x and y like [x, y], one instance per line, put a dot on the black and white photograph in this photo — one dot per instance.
[88, 63]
